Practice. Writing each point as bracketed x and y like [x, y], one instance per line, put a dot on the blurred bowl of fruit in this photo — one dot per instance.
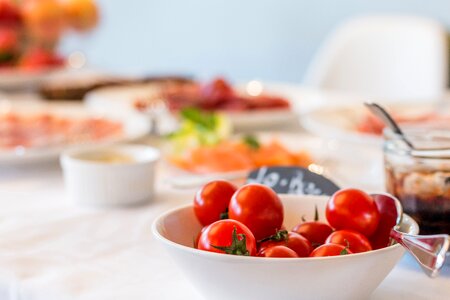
[30, 31]
[338, 256]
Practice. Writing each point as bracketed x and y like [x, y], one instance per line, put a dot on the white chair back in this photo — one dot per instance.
[384, 56]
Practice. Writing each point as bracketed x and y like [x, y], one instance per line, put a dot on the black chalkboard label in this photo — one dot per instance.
[293, 180]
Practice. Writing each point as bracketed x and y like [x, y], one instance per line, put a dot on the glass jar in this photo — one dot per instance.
[420, 178]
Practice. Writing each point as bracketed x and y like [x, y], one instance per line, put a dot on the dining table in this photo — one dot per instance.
[52, 248]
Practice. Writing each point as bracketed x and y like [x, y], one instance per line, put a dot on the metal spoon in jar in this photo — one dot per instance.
[387, 119]
[428, 250]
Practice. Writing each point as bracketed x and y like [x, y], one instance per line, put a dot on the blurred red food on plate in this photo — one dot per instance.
[38, 59]
[82, 15]
[217, 94]
[46, 130]
[236, 155]
[373, 125]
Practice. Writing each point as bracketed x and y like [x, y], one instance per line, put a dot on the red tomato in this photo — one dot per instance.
[330, 250]
[299, 244]
[294, 241]
[36, 59]
[388, 218]
[212, 200]
[9, 39]
[279, 251]
[9, 13]
[353, 209]
[356, 241]
[197, 238]
[315, 231]
[9, 45]
[258, 207]
[228, 236]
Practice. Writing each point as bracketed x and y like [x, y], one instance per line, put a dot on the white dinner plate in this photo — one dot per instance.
[340, 121]
[20, 79]
[134, 127]
[347, 165]
[302, 100]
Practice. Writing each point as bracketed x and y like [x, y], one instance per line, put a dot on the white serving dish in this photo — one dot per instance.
[337, 160]
[220, 276]
[301, 99]
[134, 126]
[97, 183]
[340, 121]
[15, 78]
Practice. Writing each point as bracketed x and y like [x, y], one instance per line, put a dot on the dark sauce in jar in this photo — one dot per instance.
[424, 194]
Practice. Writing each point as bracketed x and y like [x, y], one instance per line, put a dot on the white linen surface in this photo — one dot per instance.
[52, 249]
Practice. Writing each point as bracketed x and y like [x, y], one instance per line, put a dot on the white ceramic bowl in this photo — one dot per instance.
[92, 178]
[220, 276]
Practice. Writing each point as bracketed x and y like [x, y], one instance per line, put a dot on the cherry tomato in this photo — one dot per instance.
[299, 244]
[388, 218]
[228, 236]
[279, 251]
[9, 45]
[315, 231]
[37, 58]
[212, 200]
[330, 250]
[258, 207]
[10, 13]
[356, 241]
[353, 209]
[9, 39]
[197, 238]
[293, 240]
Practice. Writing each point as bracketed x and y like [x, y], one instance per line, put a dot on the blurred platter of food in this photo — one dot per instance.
[354, 123]
[205, 146]
[30, 32]
[74, 85]
[35, 131]
[252, 105]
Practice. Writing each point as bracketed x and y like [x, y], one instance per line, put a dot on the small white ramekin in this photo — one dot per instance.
[103, 184]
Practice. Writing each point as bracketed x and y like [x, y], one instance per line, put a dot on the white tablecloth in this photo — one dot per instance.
[52, 249]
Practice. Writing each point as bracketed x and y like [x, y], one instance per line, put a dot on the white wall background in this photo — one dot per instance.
[240, 39]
